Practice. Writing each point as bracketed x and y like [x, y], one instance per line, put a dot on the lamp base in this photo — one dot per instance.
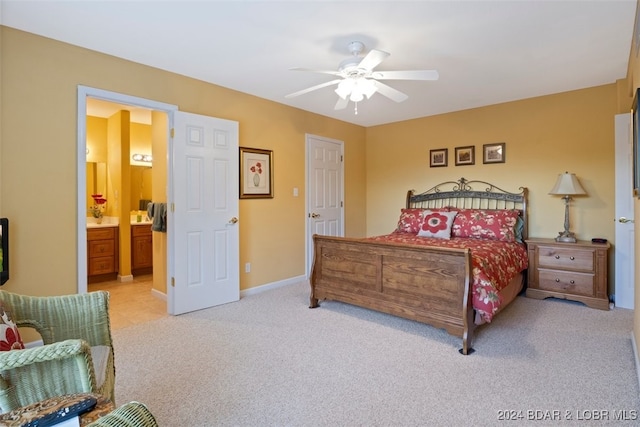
[566, 237]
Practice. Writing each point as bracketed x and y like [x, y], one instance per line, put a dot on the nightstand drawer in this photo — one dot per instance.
[566, 282]
[565, 258]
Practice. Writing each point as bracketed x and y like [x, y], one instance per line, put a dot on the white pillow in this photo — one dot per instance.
[436, 224]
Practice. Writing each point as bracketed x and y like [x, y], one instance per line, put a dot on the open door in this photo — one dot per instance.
[202, 219]
[624, 225]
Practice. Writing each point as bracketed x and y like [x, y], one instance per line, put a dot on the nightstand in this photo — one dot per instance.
[573, 271]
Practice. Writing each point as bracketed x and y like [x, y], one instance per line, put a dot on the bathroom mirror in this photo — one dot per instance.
[140, 187]
[96, 180]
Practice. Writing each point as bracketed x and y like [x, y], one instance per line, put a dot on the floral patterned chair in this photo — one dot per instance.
[77, 355]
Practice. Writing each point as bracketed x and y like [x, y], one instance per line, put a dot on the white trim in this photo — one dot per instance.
[157, 294]
[635, 355]
[127, 278]
[83, 93]
[272, 285]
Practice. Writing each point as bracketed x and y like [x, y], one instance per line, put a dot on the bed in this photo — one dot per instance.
[454, 261]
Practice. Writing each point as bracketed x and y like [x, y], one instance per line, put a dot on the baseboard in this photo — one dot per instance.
[272, 285]
[250, 291]
[125, 278]
[156, 293]
[635, 355]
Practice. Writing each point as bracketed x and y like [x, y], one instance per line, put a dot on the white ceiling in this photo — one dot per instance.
[486, 52]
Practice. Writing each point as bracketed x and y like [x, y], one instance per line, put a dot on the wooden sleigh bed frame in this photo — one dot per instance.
[426, 284]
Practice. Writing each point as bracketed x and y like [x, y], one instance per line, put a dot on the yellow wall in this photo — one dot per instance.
[159, 149]
[39, 78]
[544, 136]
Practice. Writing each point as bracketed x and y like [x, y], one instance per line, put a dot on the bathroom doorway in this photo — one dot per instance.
[134, 298]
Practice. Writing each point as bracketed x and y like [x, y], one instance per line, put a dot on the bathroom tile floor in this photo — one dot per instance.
[132, 302]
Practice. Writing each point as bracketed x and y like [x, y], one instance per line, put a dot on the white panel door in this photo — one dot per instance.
[204, 221]
[325, 211]
[625, 228]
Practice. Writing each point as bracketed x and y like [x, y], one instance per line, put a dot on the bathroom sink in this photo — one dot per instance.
[103, 225]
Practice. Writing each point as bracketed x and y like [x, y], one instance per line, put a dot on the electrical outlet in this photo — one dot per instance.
[247, 267]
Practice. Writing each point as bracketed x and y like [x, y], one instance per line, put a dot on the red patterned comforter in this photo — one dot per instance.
[493, 264]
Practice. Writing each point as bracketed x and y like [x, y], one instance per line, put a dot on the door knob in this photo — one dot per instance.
[233, 220]
[315, 215]
[624, 220]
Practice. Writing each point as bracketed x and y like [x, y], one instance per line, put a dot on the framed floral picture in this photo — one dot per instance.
[465, 156]
[493, 153]
[438, 157]
[256, 173]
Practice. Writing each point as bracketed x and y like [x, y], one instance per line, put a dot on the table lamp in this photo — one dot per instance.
[566, 186]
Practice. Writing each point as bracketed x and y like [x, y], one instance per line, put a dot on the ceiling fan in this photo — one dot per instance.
[359, 80]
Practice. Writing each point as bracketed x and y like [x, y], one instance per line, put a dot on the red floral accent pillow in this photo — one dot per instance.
[491, 224]
[9, 334]
[411, 219]
[437, 224]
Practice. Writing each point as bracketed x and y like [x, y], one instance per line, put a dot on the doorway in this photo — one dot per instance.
[200, 259]
[107, 102]
[325, 190]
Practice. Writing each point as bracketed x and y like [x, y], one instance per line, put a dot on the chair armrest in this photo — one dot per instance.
[58, 318]
[41, 372]
[19, 358]
[129, 414]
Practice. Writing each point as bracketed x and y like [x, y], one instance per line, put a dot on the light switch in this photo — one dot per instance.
[295, 191]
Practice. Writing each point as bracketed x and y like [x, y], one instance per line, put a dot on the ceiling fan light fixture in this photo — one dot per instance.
[368, 87]
[356, 96]
[344, 88]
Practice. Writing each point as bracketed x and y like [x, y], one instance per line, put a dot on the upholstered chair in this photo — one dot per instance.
[77, 352]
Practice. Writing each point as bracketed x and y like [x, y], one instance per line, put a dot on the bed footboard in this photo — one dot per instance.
[429, 285]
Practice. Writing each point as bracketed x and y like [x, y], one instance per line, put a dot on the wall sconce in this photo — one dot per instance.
[142, 158]
[566, 186]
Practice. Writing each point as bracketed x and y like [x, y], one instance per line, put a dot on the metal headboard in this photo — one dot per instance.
[464, 194]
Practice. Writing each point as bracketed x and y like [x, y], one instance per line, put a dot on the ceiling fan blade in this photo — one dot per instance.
[390, 92]
[373, 58]
[333, 73]
[341, 104]
[406, 75]
[312, 88]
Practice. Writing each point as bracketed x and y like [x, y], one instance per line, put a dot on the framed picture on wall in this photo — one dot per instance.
[438, 158]
[465, 156]
[493, 153]
[256, 173]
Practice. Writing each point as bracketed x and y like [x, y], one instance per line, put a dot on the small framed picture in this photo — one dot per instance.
[438, 158]
[465, 156]
[256, 173]
[493, 153]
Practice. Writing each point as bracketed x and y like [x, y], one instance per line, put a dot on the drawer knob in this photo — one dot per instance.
[557, 256]
[572, 258]
[557, 280]
[573, 282]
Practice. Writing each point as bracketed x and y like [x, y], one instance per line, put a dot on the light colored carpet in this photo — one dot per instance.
[269, 360]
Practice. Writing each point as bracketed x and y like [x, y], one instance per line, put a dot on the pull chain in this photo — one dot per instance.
[356, 108]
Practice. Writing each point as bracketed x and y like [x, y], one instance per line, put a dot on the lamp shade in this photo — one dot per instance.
[567, 185]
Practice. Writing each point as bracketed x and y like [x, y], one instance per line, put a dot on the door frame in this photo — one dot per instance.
[81, 167]
[308, 241]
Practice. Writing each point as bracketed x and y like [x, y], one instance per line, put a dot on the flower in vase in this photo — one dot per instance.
[97, 210]
[257, 170]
